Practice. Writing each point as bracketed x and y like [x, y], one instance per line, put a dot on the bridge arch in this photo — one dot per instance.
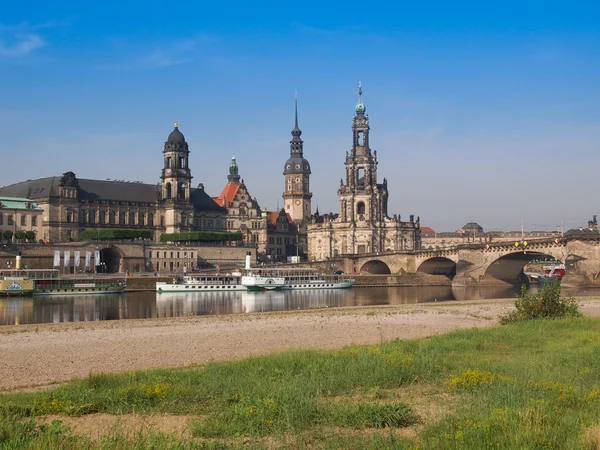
[375, 266]
[438, 266]
[509, 268]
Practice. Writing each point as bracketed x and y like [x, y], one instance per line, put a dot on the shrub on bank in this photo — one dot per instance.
[544, 304]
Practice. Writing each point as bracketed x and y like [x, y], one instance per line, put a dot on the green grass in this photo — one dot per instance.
[526, 385]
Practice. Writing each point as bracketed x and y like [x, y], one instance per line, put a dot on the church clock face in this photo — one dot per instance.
[298, 202]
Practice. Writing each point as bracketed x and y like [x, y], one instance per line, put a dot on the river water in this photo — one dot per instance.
[145, 305]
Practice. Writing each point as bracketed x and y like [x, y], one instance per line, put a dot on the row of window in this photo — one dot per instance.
[133, 218]
[123, 218]
[280, 240]
[11, 221]
[172, 254]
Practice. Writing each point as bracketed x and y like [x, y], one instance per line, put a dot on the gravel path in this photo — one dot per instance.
[34, 355]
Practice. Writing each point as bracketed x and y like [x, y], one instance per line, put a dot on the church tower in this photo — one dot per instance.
[234, 174]
[297, 195]
[363, 202]
[176, 184]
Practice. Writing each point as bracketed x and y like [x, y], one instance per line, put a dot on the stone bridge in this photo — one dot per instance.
[486, 263]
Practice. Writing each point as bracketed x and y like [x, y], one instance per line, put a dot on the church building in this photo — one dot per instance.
[363, 224]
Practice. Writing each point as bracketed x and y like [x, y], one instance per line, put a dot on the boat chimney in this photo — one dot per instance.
[18, 262]
[248, 259]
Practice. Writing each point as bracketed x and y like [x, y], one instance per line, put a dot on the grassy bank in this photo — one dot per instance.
[527, 385]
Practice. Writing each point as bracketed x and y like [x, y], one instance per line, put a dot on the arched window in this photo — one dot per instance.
[150, 219]
[181, 191]
[122, 218]
[92, 217]
[81, 216]
[361, 140]
[169, 163]
[360, 176]
[168, 190]
[102, 217]
[360, 208]
[140, 218]
[131, 218]
[111, 217]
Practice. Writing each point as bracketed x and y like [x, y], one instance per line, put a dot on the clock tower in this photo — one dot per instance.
[296, 194]
[176, 184]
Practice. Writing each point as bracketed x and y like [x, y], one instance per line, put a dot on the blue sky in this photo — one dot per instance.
[479, 111]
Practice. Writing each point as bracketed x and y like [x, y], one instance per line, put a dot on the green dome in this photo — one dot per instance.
[360, 106]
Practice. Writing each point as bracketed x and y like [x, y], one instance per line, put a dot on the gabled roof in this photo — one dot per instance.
[272, 217]
[228, 194]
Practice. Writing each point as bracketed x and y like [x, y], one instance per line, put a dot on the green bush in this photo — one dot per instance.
[202, 236]
[544, 304]
[117, 233]
[7, 235]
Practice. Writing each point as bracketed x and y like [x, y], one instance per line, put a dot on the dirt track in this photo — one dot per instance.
[32, 355]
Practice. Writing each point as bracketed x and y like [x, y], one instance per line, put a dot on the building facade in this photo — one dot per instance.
[243, 211]
[363, 224]
[20, 214]
[72, 205]
[274, 233]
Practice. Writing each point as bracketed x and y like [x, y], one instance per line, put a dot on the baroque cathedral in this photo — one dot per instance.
[363, 225]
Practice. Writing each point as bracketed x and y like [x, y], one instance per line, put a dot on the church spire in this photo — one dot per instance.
[360, 106]
[296, 132]
[233, 171]
[296, 144]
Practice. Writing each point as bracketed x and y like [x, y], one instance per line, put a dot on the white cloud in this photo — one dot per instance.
[20, 45]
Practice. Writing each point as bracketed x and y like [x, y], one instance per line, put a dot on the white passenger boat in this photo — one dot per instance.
[288, 279]
[204, 283]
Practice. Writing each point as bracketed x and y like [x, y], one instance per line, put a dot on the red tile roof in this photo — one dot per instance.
[228, 193]
[427, 230]
[273, 215]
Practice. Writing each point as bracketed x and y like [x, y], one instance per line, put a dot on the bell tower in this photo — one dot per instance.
[176, 183]
[296, 194]
[362, 200]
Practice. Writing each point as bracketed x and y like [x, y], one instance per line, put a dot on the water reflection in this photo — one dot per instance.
[141, 305]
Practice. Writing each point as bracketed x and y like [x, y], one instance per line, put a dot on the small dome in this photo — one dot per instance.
[472, 226]
[176, 136]
[296, 165]
[360, 106]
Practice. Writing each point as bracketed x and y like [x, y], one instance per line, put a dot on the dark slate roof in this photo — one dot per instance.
[94, 190]
[203, 201]
[473, 225]
[32, 189]
[296, 161]
[176, 136]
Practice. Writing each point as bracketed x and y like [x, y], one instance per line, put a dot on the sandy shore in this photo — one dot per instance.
[33, 355]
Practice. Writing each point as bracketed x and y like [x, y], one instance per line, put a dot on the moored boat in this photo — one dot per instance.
[553, 273]
[291, 279]
[204, 283]
[13, 283]
[49, 282]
